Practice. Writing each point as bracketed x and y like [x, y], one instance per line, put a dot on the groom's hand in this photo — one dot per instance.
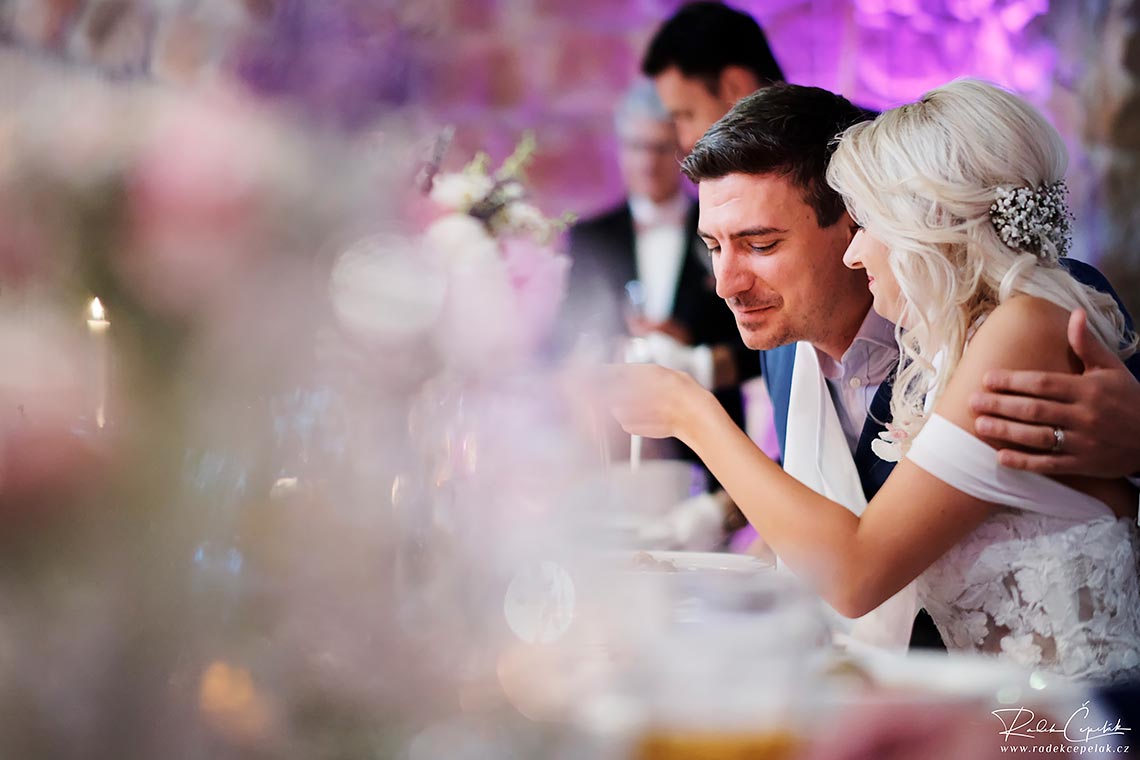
[649, 400]
[1097, 412]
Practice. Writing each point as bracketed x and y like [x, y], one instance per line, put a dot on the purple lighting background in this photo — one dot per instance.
[496, 68]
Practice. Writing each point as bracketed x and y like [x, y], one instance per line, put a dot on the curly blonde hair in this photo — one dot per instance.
[922, 179]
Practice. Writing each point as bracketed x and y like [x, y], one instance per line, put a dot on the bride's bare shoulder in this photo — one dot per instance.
[1025, 332]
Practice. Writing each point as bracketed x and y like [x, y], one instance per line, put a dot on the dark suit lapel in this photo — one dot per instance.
[695, 284]
[873, 471]
[693, 278]
[623, 236]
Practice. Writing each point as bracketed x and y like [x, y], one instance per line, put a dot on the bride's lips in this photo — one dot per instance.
[870, 281]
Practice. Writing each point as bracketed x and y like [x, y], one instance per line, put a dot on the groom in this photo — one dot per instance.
[779, 232]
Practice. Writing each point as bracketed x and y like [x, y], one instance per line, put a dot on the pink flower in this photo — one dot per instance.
[538, 277]
[24, 245]
[44, 389]
[499, 308]
[196, 201]
[479, 328]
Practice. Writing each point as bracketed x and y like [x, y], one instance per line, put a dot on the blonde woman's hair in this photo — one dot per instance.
[922, 178]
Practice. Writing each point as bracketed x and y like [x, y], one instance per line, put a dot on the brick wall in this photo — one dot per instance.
[496, 68]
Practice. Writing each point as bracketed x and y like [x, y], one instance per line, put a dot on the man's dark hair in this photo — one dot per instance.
[785, 129]
[703, 39]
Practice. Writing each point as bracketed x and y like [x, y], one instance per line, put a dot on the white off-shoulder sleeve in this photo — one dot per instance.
[969, 465]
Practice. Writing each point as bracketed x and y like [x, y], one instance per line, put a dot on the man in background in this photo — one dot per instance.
[639, 269]
[702, 60]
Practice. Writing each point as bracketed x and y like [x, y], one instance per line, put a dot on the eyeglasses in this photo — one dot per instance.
[660, 149]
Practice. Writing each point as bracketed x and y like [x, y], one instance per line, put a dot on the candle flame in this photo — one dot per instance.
[97, 311]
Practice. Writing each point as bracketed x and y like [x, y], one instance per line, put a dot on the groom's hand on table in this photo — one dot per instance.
[1097, 413]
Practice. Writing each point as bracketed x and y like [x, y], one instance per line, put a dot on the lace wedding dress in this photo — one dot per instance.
[1049, 581]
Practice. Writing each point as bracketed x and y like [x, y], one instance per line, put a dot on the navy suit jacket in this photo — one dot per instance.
[776, 367]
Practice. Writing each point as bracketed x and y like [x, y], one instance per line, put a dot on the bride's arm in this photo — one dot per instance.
[855, 564]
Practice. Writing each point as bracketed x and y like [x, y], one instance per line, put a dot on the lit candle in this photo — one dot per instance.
[98, 326]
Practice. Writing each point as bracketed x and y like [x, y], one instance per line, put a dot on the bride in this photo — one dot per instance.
[959, 203]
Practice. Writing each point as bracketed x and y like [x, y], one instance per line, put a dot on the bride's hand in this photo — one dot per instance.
[648, 400]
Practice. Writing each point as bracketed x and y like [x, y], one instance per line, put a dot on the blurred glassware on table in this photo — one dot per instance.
[634, 307]
[716, 654]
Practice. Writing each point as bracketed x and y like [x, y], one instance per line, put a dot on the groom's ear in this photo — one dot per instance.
[736, 82]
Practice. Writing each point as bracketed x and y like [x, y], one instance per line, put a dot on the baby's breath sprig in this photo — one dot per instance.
[1036, 221]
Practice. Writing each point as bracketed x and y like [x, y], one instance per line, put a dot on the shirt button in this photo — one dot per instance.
[855, 382]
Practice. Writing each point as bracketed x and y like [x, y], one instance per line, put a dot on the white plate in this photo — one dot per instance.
[704, 561]
[959, 675]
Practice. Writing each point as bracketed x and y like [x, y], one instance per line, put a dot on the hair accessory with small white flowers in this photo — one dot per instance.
[1036, 221]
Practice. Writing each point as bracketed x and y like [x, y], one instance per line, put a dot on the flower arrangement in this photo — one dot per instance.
[498, 200]
[506, 276]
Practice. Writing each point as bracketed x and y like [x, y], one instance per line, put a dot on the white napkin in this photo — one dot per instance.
[816, 454]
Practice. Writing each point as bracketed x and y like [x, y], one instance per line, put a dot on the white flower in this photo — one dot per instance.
[460, 192]
[977, 626]
[885, 447]
[480, 324]
[1034, 220]
[523, 217]
[461, 240]
[1078, 658]
[1031, 586]
[1021, 649]
[512, 191]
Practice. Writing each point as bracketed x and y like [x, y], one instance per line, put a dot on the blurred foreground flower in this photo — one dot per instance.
[506, 276]
[323, 447]
[204, 224]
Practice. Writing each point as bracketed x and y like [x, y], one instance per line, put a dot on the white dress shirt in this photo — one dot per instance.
[854, 379]
[659, 248]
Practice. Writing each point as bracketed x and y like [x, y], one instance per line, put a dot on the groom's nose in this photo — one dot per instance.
[732, 274]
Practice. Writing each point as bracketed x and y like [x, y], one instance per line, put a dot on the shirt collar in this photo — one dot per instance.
[872, 354]
[672, 212]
